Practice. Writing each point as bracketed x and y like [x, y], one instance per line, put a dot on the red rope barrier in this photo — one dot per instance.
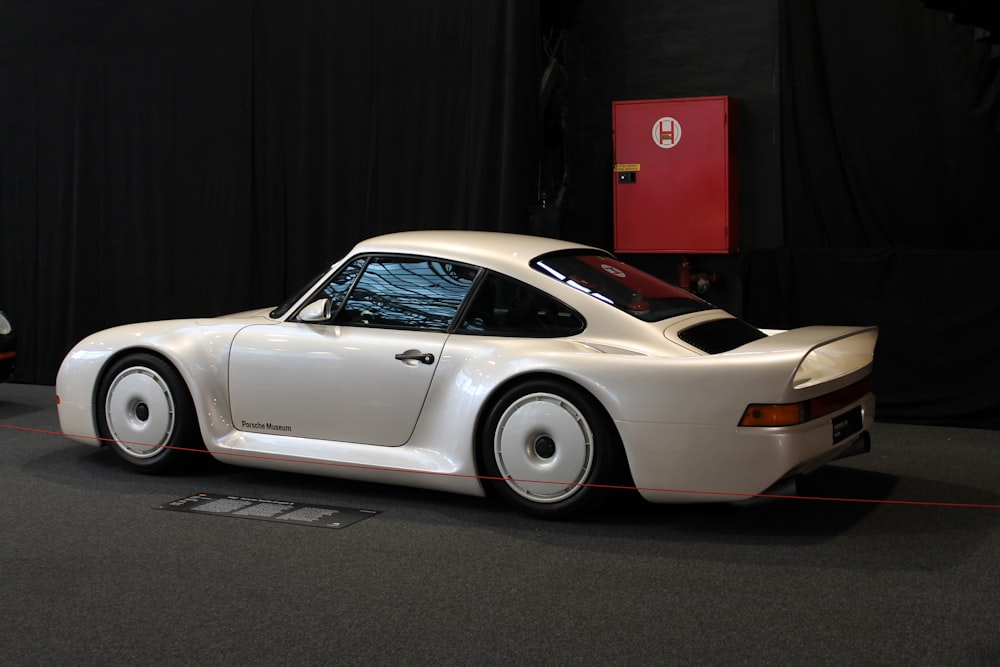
[871, 501]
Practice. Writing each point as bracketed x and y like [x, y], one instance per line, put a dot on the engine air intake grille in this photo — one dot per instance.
[720, 336]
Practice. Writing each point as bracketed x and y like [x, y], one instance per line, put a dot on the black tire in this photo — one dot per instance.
[144, 411]
[545, 444]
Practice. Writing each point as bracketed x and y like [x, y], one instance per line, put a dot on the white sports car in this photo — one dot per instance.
[541, 371]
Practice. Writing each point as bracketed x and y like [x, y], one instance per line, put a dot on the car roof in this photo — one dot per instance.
[496, 250]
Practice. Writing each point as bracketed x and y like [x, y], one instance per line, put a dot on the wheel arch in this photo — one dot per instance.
[200, 398]
[113, 358]
[486, 406]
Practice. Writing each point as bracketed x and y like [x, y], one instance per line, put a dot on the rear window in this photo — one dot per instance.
[620, 285]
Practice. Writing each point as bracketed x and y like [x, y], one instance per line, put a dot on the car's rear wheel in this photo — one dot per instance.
[548, 448]
[145, 411]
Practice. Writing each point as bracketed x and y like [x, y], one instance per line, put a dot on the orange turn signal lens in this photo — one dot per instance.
[773, 415]
[790, 414]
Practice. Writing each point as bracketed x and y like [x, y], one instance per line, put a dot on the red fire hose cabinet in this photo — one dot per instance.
[675, 175]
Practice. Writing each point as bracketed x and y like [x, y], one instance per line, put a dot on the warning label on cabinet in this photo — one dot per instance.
[280, 511]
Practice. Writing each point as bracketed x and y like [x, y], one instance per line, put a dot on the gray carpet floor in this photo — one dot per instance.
[93, 573]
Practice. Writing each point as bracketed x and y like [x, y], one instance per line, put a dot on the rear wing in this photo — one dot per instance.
[825, 352]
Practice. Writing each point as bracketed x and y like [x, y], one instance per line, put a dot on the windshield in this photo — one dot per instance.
[618, 284]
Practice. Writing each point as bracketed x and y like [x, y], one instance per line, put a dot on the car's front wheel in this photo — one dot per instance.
[145, 411]
[548, 448]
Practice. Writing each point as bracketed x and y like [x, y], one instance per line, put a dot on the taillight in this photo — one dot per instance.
[790, 414]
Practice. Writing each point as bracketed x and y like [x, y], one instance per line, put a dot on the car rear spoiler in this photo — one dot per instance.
[824, 352]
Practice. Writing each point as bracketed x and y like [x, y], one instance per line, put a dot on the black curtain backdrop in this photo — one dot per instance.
[891, 164]
[891, 128]
[194, 157]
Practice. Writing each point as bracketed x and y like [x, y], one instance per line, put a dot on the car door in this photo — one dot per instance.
[362, 374]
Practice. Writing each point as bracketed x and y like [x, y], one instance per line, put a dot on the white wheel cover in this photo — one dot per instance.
[140, 412]
[543, 479]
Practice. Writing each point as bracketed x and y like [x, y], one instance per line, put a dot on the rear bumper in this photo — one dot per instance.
[685, 463]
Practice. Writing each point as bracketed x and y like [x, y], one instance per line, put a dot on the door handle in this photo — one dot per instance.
[416, 355]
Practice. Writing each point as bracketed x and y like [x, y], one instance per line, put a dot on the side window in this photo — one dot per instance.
[407, 292]
[505, 307]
